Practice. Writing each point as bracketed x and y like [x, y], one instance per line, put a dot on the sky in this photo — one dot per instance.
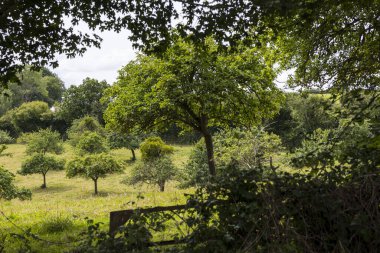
[102, 64]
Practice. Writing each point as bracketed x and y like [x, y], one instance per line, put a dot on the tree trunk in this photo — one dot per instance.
[162, 186]
[133, 155]
[210, 153]
[96, 186]
[43, 186]
[209, 145]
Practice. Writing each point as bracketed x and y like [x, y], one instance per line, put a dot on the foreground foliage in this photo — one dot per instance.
[263, 210]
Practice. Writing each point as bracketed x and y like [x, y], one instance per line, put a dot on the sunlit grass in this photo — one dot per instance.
[59, 212]
[73, 199]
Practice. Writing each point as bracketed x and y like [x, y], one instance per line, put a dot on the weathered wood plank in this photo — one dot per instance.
[119, 218]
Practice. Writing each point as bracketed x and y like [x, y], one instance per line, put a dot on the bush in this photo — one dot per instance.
[5, 138]
[24, 138]
[195, 172]
[8, 190]
[6, 124]
[32, 116]
[154, 147]
[253, 211]
[250, 149]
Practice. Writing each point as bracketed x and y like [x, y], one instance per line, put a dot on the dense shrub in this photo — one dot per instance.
[195, 172]
[5, 138]
[6, 124]
[154, 147]
[283, 212]
[32, 116]
[301, 115]
[24, 138]
[357, 146]
[250, 148]
[8, 190]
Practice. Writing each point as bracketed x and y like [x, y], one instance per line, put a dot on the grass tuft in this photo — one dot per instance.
[56, 224]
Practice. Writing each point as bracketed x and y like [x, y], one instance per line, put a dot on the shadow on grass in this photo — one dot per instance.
[53, 189]
[104, 194]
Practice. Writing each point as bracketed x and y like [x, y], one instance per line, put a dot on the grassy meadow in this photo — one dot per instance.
[58, 212]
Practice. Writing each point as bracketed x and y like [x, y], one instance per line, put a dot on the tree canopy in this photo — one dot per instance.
[129, 141]
[154, 147]
[44, 141]
[83, 100]
[38, 145]
[41, 85]
[157, 167]
[155, 172]
[341, 34]
[91, 143]
[31, 116]
[82, 126]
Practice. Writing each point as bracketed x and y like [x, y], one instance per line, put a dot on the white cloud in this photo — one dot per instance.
[116, 51]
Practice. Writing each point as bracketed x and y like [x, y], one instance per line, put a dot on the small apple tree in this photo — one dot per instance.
[157, 167]
[41, 164]
[93, 167]
[38, 145]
